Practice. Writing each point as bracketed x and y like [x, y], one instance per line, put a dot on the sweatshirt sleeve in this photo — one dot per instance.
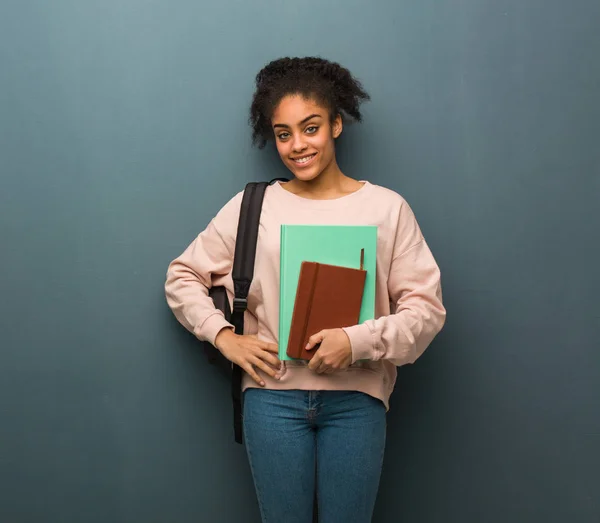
[190, 276]
[414, 287]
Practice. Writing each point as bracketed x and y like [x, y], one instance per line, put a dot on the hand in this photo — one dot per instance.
[249, 352]
[335, 351]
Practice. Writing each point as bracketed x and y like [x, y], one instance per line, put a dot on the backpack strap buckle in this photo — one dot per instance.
[240, 304]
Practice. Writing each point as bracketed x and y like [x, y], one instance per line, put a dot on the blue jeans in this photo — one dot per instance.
[297, 438]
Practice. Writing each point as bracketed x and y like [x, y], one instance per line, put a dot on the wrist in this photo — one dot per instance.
[222, 336]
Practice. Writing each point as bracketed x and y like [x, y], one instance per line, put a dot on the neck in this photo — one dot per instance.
[332, 182]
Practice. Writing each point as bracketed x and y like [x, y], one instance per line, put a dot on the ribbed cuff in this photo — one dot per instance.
[361, 341]
[211, 327]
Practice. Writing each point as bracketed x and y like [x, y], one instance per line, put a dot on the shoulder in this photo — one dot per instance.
[398, 212]
[387, 193]
[233, 205]
[227, 217]
[387, 197]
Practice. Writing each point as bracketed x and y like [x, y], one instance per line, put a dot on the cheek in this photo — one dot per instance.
[282, 149]
[324, 143]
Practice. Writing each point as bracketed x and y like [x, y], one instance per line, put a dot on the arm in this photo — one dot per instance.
[190, 276]
[415, 288]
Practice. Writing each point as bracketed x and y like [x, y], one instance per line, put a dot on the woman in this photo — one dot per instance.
[320, 422]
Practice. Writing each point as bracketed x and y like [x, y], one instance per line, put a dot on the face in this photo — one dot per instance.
[305, 136]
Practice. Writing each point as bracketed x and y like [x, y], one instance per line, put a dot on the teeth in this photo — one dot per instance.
[305, 159]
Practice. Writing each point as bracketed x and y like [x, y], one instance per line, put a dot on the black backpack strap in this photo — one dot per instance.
[243, 271]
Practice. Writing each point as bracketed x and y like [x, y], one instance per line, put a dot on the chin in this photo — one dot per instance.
[306, 177]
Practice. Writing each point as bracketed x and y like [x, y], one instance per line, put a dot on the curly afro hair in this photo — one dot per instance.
[327, 82]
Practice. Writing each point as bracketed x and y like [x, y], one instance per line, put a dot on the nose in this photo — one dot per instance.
[298, 144]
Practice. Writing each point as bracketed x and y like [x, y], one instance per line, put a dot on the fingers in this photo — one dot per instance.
[315, 339]
[252, 362]
[251, 354]
[325, 369]
[269, 347]
[265, 367]
[268, 352]
[260, 355]
[247, 366]
[270, 359]
[319, 365]
[315, 363]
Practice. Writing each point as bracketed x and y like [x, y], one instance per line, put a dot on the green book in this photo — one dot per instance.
[330, 244]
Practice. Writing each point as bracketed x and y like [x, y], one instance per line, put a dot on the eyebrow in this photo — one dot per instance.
[303, 121]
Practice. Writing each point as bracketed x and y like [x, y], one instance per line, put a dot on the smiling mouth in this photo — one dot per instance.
[304, 159]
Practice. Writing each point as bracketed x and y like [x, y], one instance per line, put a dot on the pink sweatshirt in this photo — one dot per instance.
[408, 310]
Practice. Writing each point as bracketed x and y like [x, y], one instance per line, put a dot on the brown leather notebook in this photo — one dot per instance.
[328, 297]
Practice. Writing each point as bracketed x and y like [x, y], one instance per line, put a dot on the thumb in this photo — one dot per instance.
[315, 340]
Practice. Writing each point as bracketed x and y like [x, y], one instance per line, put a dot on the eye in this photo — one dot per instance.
[312, 129]
[283, 136]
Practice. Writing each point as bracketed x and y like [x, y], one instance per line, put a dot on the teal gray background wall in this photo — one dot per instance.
[123, 129]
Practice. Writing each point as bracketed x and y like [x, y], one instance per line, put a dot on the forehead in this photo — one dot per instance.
[292, 109]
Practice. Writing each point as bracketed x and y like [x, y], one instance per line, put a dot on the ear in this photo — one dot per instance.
[337, 126]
